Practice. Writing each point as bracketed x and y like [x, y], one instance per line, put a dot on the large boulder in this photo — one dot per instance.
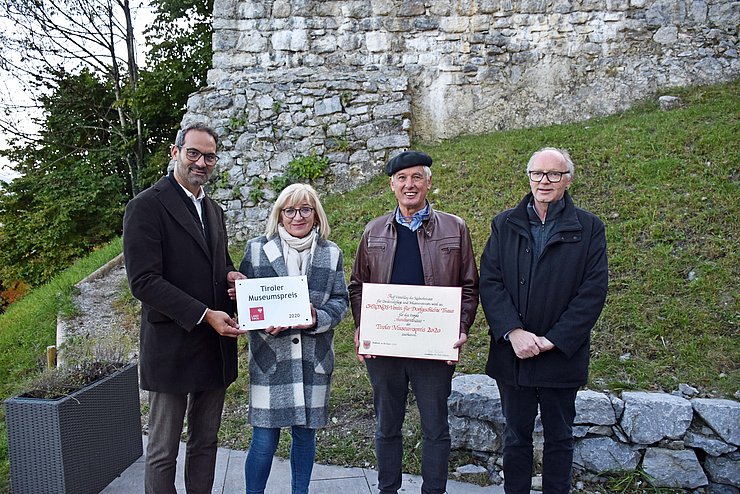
[476, 396]
[723, 416]
[478, 435]
[723, 470]
[651, 417]
[670, 468]
[594, 408]
[604, 454]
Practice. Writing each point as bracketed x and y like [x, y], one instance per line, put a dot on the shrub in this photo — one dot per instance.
[299, 169]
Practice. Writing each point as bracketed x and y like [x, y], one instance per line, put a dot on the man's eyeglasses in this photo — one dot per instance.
[553, 177]
[305, 212]
[194, 155]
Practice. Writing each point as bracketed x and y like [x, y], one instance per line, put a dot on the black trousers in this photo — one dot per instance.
[430, 381]
[557, 411]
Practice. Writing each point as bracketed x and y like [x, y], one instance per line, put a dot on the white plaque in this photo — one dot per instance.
[410, 321]
[279, 301]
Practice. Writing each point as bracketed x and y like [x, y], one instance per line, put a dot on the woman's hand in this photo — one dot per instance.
[313, 321]
[276, 330]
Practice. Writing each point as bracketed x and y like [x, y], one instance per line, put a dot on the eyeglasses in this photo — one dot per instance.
[553, 177]
[194, 155]
[305, 212]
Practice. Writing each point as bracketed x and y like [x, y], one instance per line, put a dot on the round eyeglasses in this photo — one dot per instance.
[194, 155]
[552, 177]
[304, 211]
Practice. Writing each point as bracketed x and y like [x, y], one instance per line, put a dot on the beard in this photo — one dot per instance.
[196, 180]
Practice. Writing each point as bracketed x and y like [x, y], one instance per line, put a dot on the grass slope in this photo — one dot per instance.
[665, 184]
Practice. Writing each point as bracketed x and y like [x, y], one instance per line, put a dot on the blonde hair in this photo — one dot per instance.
[297, 194]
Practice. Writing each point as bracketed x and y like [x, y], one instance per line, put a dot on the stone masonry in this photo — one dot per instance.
[356, 81]
[679, 442]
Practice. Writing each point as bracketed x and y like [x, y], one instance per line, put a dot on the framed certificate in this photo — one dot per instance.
[279, 301]
[410, 321]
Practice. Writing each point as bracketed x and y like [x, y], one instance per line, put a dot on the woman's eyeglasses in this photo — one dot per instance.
[305, 212]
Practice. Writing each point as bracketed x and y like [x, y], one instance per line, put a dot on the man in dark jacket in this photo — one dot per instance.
[543, 282]
[414, 245]
[178, 266]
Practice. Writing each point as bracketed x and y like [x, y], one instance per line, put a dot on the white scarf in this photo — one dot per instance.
[296, 251]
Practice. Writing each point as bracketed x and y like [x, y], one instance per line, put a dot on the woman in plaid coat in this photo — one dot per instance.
[290, 367]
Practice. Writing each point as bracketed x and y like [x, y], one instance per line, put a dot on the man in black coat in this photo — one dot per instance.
[178, 266]
[543, 282]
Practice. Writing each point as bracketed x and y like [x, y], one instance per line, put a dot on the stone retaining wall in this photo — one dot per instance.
[266, 120]
[357, 80]
[679, 441]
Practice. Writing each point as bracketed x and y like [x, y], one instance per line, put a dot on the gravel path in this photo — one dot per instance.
[98, 328]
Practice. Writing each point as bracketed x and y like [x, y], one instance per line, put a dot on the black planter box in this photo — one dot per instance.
[77, 444]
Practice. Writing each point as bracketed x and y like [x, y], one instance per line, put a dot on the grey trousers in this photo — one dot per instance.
[167, 412]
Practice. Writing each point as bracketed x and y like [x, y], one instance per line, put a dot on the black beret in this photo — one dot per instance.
[407, 159]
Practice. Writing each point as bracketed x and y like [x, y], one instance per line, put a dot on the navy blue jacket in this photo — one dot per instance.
[561, 299]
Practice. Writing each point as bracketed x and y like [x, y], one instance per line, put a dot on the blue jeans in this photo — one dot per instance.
[557, 411]
[430, 381]
[262, 449]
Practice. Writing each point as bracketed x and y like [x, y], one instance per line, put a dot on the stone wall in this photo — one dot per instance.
[679, 441]
[358, 80]
[352, 119]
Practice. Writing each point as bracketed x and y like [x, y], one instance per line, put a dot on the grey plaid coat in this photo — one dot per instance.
[290, 374]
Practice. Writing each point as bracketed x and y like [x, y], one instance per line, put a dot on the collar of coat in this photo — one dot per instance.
[427, 226]
[166, 193]
[273, 250]
[567, 222]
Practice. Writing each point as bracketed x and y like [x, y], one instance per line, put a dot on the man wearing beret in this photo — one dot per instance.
[413, 245]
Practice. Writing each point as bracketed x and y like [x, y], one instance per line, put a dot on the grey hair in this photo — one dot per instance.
[297, 194]
[180, 139]
[562, 152]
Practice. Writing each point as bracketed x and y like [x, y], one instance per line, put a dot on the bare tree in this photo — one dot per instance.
[44, 37]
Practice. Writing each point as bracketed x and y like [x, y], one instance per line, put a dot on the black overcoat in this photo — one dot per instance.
[176, 275]
[560, 299]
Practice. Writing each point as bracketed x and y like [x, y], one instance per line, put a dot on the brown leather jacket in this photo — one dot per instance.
[446, 257]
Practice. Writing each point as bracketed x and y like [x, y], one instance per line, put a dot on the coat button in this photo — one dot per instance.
[521, 282]
[526, 250]
[295, 340]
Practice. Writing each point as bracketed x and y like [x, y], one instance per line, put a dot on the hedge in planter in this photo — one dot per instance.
[76, 444]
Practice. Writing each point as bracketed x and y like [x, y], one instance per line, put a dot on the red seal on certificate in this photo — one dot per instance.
[365, 344]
